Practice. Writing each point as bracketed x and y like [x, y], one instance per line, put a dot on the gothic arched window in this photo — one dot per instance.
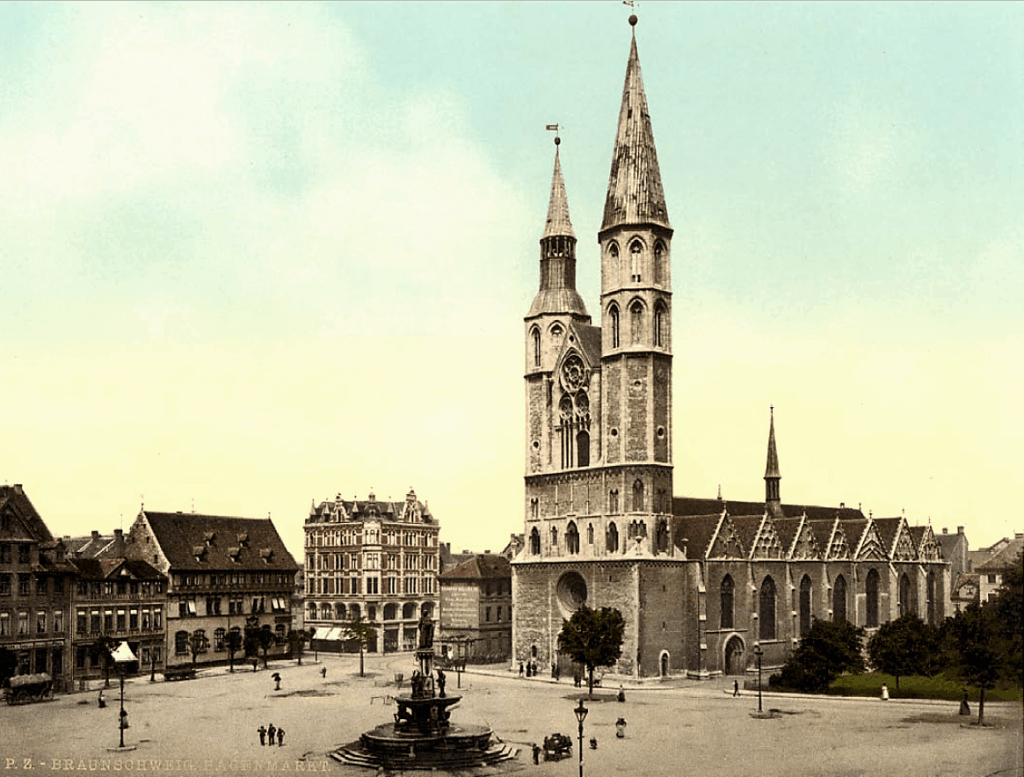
[660, 275]
[572, 539]
[583, 448]
[612, 538]
[904, 603]
[634, 261]
[613, 314]
[636, 321]
[590, 534]
[613, 500]
[931, 598]
[638, 496]
[766, 612]
[535, 542]
[659, 327]
[554, 539]
[839, 599]
[871, 592]
[805, 606]
[535, 335]
[726, 597]
[661, 537]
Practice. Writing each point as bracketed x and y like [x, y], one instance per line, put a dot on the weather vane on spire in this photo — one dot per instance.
[553, 128]
[634, 6]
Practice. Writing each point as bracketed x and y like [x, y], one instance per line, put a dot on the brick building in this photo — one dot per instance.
[698, 581]
[224, 574]
[35, 583]
[373, 560]
[476, 609]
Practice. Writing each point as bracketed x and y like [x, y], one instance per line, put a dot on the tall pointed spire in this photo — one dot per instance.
[558, 222]
[557, 293]
[771, 472]
[635, 194]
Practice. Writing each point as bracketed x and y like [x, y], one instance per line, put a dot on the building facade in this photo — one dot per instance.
[223, 574]
[35, 582]
[371, 560]
[476, 610]
[699, 582]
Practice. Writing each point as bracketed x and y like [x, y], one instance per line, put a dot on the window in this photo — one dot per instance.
[638, 496]
[636, 320]
[133, 619]
[200, 641]
[5, 624]
[373, 585]
[81, 622]
[5, 551]
[499, 615]
[24, 554]
[726, 602]
[218, 640]
[535, 542]
[145, 619]
[487, 614]
[992, 579]
[41, 586]
[535, 336]
[839, 599]
[613, 500]
[121, 624]
[904, 602]
[572, 539]
[612, 538]
[108, 620]
[659, 327]
[5, 585]
[766, 613]
[613, 314]
[158, 618]
[181, 643]
[805, 606]
[634, 256]
[24, 585]
[22, 624]
[186, 608]
[554, 539]
[871, 592]
[94, 621]
[40, 623]
[590, 534]
[58, 621]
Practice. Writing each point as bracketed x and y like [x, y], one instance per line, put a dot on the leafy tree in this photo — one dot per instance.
[976, 634]
[1008, 609]
[103, 648]
[297, 639]
[905, 646]
[265, 639]
[197, 643]
[364, 632]
[234, 642]
[592, 638]
[829, 649]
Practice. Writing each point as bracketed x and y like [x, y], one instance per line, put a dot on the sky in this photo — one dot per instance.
[256, 255]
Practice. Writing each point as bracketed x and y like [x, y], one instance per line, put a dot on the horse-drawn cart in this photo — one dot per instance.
[28, 687]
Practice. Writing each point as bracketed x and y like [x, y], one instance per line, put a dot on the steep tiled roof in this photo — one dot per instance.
[697, 531]
[481, 567]
[201, 542]
[102, 568]
[590, 342]
[888, 528]
[686, 505]
[15, 499]
[1003, 559]
[372, 509]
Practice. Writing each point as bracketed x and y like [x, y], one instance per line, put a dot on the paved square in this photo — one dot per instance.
[208, 726]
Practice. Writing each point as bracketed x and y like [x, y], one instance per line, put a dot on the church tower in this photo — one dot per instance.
[772, 476]
[636, 310]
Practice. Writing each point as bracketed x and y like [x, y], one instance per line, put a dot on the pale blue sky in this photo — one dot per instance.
[257, 254]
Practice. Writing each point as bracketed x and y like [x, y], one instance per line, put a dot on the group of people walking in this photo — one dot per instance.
[269, 734]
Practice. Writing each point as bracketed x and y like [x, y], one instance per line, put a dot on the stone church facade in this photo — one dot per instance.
[699, 582]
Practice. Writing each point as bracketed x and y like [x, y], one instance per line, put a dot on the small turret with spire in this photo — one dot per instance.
[772, 498]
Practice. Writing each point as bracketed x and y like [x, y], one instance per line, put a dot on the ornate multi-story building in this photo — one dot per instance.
[476, 609]
[698, 581]
[370, 560]
[224, 574]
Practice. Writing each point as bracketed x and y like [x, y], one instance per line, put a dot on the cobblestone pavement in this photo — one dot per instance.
[208, 726]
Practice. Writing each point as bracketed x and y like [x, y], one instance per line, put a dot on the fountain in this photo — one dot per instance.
[422, 735]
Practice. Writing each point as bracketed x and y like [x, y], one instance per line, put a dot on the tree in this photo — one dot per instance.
[103, 648]
[1008, 609]
[976, 634]
[297, 639]
[592, 638]
[265, 639]
[364, 632]
[197, 643]
[828, 649]
[233, 642]
[905, 646]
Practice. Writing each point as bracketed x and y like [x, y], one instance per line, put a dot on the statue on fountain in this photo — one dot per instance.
[426, 632]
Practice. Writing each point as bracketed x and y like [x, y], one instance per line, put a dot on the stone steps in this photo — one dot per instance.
[356, 755]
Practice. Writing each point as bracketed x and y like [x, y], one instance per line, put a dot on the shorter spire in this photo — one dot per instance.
[772, 491]
[558, 223]
[772, 469]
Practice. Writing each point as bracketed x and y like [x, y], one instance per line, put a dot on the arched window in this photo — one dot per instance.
[871, 590]
[218, 639]
[726, 597]
[325, 611]
[839, 599]
[805, 606]
[638, 496]
[659, 263]
[535, 508]
[583, 448]
[931, 597]
[339, 611]
[613, 501]
[390, 611]
[354, 613]
[200, 641]
[554, 539]
[636, 321]
[661, 537]
[590, 534]
[612, 538]
[312, 611]
[535, 542]
[535, 335]
[904, 603]
[766, 613]
[659, 326]
[180, 643]
[634, 261]
[613, 315]
[572, 539]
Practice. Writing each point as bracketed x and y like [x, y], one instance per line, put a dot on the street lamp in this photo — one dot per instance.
[759, 653]
[122, 657]
[581, 715]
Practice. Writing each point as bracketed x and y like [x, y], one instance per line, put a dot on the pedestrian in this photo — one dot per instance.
[536, 754]
[885, 692]
[102, 703]
[622, 694]
[271, 733]
[520, 668]
[277, 681]
[280, 737]
[735, 687]
[263, 735]
[576, 679]
[323, 672]
[965, 708]
[254, 662]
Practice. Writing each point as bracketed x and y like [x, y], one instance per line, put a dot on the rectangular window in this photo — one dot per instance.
[108, 588]
[992, 578]
[22, 623]
[94, 621]
[373, 585]
[80, 658]
[108, 620]
[145, 619]
[5, 585]
[5, 624]
[133, 620]
[41, 586]
[487, 615]
[24, 554]
[81, 622]
[158, 620]
[121, 620]
[392, 585]
[5, 554]
[58, 585]
[24, 585]
[40, 623]
[499, 615]
[58, 621]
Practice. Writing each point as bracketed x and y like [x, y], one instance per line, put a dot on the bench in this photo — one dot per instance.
[180, 673]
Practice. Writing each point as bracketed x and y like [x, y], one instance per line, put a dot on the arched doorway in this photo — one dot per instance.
[664, 664]
[734, 661]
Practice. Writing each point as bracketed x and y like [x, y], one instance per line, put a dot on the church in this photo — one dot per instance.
[700, 583]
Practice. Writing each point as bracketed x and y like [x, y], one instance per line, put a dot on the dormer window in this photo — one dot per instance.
[208, 538]
[199, 551]
[267, 554]
[243, 539]
[233, 554]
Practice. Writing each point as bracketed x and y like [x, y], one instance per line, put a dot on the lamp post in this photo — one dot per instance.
[581, 715]
[122, 657]
[759, 653]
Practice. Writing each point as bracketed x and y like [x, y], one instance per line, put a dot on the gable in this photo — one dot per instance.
[726, 542]
[767, 544]
[903, 547]
[871, 548]
[805, 546]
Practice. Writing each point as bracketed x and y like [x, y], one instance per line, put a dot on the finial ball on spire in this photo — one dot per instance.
[632, 20]
[558, 140]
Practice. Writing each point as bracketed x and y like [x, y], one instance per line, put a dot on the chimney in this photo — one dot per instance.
[119, 543]
[18, 489]
[959, 529]
[95, 534]
[945, 530]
